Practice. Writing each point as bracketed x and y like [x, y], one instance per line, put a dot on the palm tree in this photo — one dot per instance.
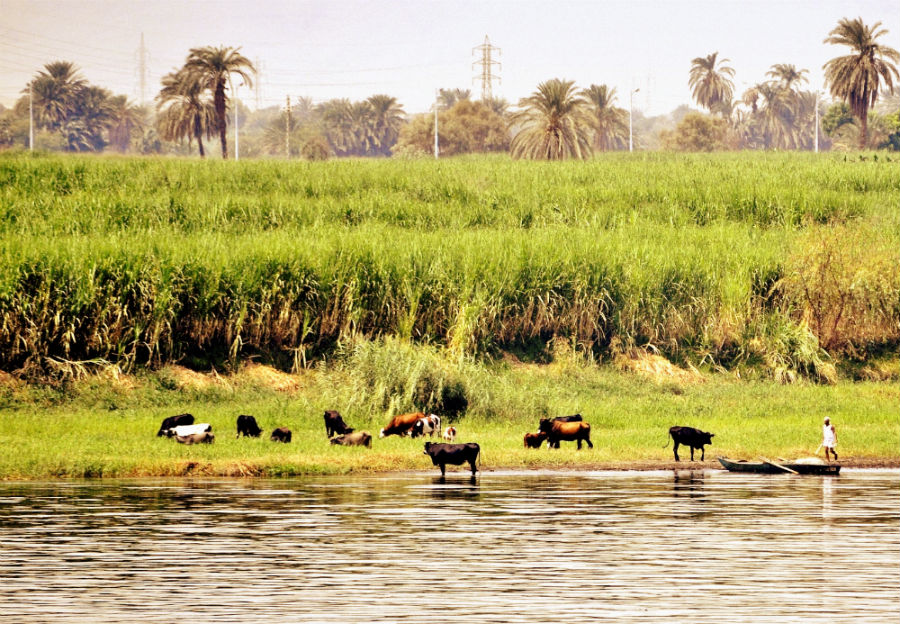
[609, 122]
[447, 98]
[787, 75]
[554, 123]
[710, 81]
[184, 110]
[387, 117]
[90, 118]
[54, 92]
[212, 67]
[127, 119]
[856, 78]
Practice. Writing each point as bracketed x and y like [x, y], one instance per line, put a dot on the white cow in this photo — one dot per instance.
[427, 424]
[186, 430]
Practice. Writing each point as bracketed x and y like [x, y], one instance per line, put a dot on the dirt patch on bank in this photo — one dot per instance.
[262, 376]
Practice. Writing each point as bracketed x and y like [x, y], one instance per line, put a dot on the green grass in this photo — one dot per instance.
[80, 435]
[148, 261]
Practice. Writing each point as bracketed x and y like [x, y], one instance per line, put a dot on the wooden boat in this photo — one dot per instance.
[805, 467]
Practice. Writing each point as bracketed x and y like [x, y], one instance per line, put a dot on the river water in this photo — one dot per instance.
[512, 547]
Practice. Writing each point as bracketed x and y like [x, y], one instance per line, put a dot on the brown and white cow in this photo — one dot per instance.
[401, 424]
[569, 431]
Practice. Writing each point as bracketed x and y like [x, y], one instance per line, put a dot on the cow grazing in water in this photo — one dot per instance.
[455, 454]
[174, 421]
[196, 438]
[281, 434]
[355, 438]
[534, 440]
[186, 430]
[246, 426]
[428, 425]
[694, 438]
[401, 424]
[569, 431]
[449, 434]
[335, 425]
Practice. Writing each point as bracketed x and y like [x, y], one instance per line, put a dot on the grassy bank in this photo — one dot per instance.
[105, 427]
[784, 264]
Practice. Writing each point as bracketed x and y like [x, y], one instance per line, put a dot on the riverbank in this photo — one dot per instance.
[104, 426]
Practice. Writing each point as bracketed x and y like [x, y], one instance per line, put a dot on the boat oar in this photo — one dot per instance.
[777, 465]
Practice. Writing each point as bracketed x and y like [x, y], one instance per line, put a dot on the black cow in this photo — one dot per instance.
[691, 437]
[456, 454]
[246, 426]
[281, 434]
[174, 421]
[572, 418]
[335, 425]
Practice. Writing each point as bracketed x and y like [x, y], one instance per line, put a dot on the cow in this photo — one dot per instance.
[174, 421]
[570, 431]
[694, 438]
[534, 440]
[186, 430]
[355, 438]
[430, 424]
[449, 434]
[335, 425]
[572, 418]
[401, 424]
[246, 426]
[196, 438]
[281, 434]
[456, 454]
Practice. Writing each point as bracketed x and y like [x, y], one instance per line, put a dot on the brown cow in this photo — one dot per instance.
[569, 431]
[534, 440]
[357, 438]
[401, 424]
[281, 434]
[196, 438]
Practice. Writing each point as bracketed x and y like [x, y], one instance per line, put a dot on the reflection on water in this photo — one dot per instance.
[688, 546]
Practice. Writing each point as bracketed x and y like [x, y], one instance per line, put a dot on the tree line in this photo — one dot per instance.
[557, 121]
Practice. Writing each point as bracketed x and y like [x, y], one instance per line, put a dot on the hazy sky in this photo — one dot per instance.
[353, 49]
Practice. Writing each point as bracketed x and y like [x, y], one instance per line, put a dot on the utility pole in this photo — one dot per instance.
[817, 122]
[142, 70]
[436, 95]
[235, 99]
[30, 118]
[630, 115]
[258, 79]
[487, 64]
[287, 130]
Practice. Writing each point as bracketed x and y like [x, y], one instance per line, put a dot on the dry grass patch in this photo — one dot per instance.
[262, 376]
[186, 379]
[656, 367]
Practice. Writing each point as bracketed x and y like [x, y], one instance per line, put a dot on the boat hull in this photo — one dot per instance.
[765, 468]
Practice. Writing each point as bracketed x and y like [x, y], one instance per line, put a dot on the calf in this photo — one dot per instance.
[186, 430]
[570, 431]
[196, 438]
[246, 426]
[694, 438]
[174, 421]
[456, 454]
[534, 440]
[335, 425]
[401, 424]
[281, 434]
[449, 434]
[429, 425]
[356, 438]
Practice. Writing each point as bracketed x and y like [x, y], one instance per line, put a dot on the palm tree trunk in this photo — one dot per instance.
[199, 135]
[220, 117]
[863, 131]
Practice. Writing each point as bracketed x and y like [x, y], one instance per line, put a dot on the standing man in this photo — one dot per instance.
[829, 439]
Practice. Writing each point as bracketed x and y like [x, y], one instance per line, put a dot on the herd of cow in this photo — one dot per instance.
[552, 430]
